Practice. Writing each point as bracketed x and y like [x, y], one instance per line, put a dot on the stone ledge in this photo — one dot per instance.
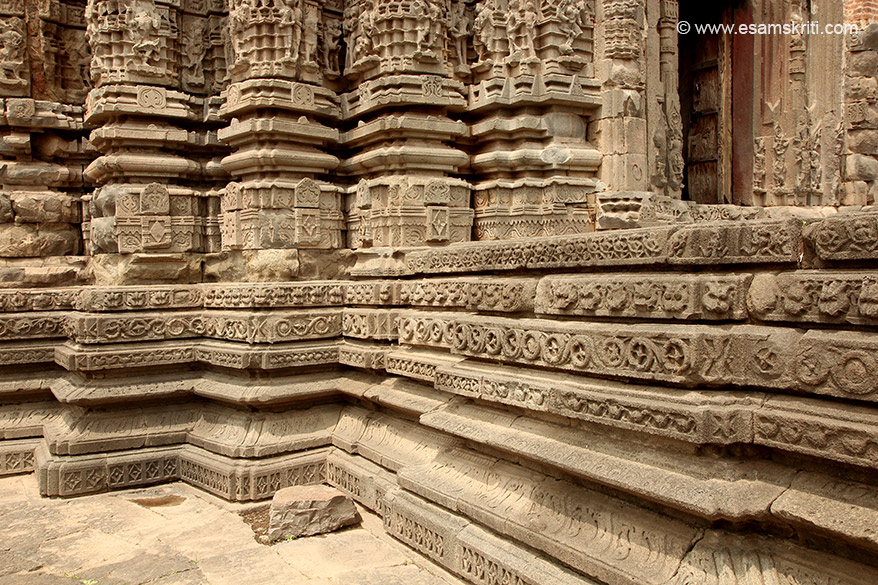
[711, 489]
[837, 297]
[634, 247]
[434, 465]
[539, 514]
[359, 478]
[388, 441]
[218, 429]
[418, 364]
[234, 480]
[371, 356]
[849, 236]
[721, 558]
[701, 417]
[227, 354]
[834, 507]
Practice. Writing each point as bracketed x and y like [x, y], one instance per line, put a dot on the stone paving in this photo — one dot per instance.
[178, 535]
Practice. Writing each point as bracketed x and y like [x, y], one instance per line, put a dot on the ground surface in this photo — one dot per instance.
[178, 535]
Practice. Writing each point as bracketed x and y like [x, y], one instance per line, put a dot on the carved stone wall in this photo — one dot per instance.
[437, 254]
[662, 405]
[154, 67]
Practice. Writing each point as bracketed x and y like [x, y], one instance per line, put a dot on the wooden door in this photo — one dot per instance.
[703, 141]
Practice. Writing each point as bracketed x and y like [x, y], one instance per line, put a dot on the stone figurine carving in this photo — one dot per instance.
[575, 17]
[484, 30]
[12, 50]
[521, 22]
[459, 30]
[143, 24]
[427, 15]
[332, 34]
[194, 49]
[311, 23]
[75, 47]
[291, 21]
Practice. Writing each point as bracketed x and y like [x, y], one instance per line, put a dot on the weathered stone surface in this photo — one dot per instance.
[113, 269]
[708, 489]
[188, 192]
[36, 240]
[839, 508]
[259, 266]
[308, 510]
[44, 272]
[45, 207]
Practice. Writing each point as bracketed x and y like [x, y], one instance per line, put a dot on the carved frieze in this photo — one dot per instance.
[721, 558]
[654, 296]
[362, 355]
[598, 249]
[506, 295]
[138, 298]
[726, 243]
[844, 237]
[648, 410]
[224, 325]
[816, 296]
[688, 355]
[377, 324]
[311, 294]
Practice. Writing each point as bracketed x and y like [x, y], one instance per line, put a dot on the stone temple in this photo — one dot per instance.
[565, 295]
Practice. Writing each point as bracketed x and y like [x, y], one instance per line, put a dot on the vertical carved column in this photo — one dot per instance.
[622, 124]
[533, 97]
[667, 135]
[147, 218]
[281, 122]
[860, 125]
[405, 56]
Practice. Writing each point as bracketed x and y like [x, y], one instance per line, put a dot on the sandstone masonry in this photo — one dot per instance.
[562, 295]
